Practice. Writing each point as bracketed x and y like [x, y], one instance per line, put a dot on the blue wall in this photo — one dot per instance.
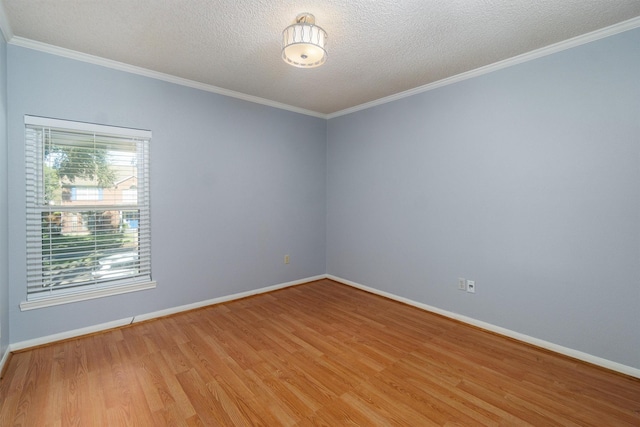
[234, 187]
[4, 209]
[525, 180]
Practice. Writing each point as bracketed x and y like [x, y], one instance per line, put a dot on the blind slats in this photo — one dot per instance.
[88, 222]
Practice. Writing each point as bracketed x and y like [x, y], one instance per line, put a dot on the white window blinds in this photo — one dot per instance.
[88, 219]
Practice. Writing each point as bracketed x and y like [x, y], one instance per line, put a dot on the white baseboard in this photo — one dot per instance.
[148, 316]
[585, 357]
[35, 342]
[4, 359]
[219, 300]
[595, 360]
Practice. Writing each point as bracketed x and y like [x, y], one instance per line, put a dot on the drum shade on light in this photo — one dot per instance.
[304, 43]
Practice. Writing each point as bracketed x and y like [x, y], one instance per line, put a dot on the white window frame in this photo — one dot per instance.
[36, 206]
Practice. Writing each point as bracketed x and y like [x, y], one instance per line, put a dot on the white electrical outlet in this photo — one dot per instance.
[286, 259]
[462, 284]
[471, 286]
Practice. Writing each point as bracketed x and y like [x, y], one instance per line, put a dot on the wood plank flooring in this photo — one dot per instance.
[315, 354]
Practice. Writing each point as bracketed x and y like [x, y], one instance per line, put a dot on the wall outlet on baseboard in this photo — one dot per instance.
[286, 259]
[471, 286]
[462, 284]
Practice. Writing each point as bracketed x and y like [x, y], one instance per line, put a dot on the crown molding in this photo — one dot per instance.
[529, 56]
[538, 53]
[5, 27]
[121, 66]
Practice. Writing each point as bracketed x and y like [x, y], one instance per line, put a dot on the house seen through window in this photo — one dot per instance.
[88, 225]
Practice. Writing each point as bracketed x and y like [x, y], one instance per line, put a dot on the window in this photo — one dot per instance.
[88, 220]
[86, 193]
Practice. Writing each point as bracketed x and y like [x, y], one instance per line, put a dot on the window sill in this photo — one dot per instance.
[83, 296]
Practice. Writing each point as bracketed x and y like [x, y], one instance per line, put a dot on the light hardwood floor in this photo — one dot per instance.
[315, 354]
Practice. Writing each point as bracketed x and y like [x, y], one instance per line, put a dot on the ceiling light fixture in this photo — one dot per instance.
[304, 43]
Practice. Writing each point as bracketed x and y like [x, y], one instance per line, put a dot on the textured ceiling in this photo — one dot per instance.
[376, 48]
